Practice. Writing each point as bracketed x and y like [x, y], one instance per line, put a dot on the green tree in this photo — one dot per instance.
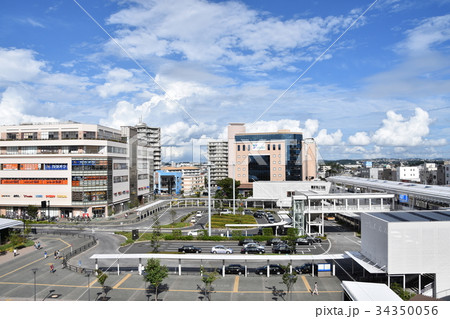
[101, 278]
[208, 279]
[156, 234]
[226, 188]
[32, 211]
[289, 279]
[155, 274]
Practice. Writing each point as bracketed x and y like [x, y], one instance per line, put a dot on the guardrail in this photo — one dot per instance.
[66, 257]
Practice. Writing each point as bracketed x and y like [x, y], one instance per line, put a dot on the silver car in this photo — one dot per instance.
[257, 245]
[220, 249]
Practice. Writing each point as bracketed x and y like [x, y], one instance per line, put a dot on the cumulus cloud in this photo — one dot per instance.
[360, 138]
[19, 65]
[323, 138]
[398, 131]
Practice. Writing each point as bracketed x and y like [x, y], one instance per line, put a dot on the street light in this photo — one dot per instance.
[209, 197]
[34, 274]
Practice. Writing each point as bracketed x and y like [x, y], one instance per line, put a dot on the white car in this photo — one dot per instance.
[199, 214]
[193, 220]
[193, 233]
[219, 249]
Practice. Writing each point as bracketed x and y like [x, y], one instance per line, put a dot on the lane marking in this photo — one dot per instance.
[308, 287]
[122, 281]
[236, 284]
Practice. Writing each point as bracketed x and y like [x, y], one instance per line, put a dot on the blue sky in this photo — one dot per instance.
[191, 67]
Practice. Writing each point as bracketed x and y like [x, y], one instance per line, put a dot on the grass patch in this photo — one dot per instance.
[176, 225]
[219, 221]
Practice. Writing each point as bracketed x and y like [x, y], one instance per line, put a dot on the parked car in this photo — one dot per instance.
[302, 241]
[252, 250]
[246, 241]
[273, 269]
[247, 212]
[313, 239]
[193, 220]
[199, 214]
[189, 249]
[282, 249]
[220, 249]
[303, 269]
[234, 269]
[271, 220]
[257, 215]
[275, 241]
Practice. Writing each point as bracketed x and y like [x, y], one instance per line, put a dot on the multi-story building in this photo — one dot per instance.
[218, 157]
[408, 174]
[75, 169]
[277, 156]
[191, 179]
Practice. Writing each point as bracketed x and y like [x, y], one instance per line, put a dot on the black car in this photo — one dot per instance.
[303, 269]
[246, 241]
[282, 249]
[234, 269]
[275, 241]
[302, 241]
[189, 249]
[314, 240]
[247, 212]
[252, 250]
[257, 215]
[273, 269]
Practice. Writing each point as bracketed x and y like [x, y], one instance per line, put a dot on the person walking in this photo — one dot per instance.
[52, 268]
[316, 289]
[45, 254]
[15, 252]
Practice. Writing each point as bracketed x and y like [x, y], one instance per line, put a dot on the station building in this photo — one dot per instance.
[70, 169]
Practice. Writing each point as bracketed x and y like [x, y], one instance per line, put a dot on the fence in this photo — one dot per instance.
[65, 258]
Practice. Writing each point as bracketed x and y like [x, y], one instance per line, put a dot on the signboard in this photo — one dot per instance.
[368, 164]
[258, 146]
[56, 167]
[403, 198]
[323, 267]
[29, 167]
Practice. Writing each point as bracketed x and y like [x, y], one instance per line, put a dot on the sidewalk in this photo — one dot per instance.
[10, 255]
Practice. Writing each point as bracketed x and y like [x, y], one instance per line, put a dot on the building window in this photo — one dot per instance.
[243, 147]
[268, 147]
[273, 147]
[279, 147]
[239, 148]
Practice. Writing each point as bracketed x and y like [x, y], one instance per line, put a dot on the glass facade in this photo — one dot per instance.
[293, 150]
[259, 168]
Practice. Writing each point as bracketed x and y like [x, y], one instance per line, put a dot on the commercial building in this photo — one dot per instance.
[218, 157]
[168, 182]
[277, 156]
[75, 169]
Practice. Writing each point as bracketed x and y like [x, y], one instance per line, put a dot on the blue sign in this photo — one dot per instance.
[56, 167]
[403, 198]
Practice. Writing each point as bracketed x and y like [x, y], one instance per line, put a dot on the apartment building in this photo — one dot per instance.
[192, 180]
[218, 157]
[76, 169]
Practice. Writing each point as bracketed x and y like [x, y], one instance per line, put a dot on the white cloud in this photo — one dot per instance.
[15, 108]
[360, 138]
[323, 138]
[398, 131]
[18, 65]
[225, 33]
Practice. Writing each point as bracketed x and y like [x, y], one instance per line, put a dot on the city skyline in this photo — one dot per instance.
[365, 79]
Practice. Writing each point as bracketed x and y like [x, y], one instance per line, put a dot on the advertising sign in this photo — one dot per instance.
[403, 198]
[258, 146]
[323, 267]
[56, 167]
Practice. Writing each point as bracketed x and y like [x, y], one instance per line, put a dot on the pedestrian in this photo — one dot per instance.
[54, 254]
[57, 254]
[38, 245]
[15, 252]
[52, 268]
[45, 254]
[316, 289]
